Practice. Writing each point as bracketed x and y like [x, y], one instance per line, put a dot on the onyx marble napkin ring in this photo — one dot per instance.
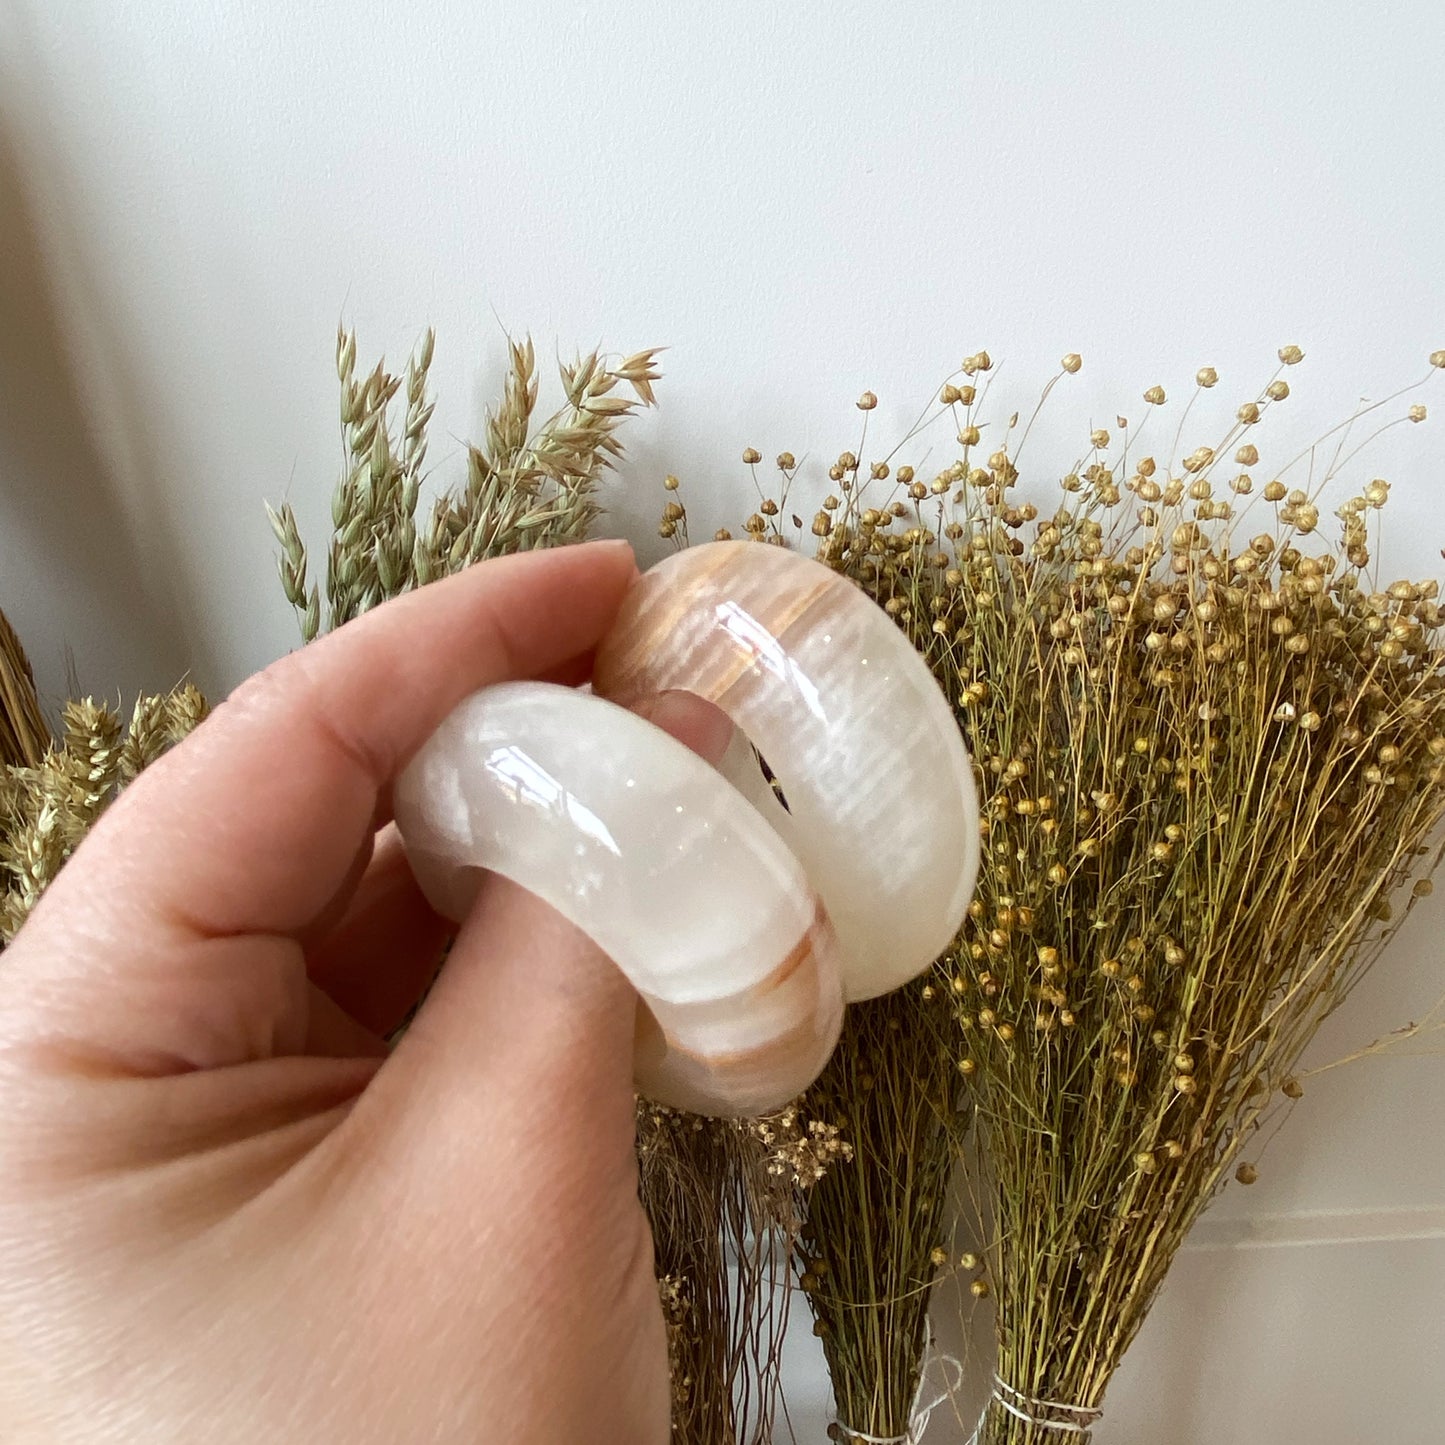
[743, 924]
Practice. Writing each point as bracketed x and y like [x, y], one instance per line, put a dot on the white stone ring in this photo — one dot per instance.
[743, 925]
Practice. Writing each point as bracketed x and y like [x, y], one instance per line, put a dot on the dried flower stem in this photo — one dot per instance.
[24, 735]
[722, 1197]
[527, 487]
[873, 1237]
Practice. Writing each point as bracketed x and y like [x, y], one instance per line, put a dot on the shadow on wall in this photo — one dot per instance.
[76, 579]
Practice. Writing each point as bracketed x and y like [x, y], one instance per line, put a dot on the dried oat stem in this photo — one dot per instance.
[528, 485]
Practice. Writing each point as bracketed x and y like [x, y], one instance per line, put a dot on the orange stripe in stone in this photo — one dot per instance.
[817, 933]
[657, 611]
[817, 940]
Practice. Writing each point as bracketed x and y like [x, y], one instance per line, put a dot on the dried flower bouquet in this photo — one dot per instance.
[1212, 753]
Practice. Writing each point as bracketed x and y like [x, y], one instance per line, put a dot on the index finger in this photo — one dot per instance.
[252, 824]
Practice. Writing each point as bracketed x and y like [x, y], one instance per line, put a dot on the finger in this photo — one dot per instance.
[332, 1033]
[377, 960]
[528, 1009]
[253, 824]
[380, 943]
[336, 907]
[706, 729]
[574, 672]
[523, 995]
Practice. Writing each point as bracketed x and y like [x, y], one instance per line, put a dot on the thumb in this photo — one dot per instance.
[529, 1015]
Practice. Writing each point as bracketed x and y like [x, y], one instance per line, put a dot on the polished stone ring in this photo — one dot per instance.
[743, 921]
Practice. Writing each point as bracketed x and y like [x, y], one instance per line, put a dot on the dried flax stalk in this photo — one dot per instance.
[724, 1198]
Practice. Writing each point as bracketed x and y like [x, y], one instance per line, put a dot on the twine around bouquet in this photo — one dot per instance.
[921, 1411]
[1054, 1415]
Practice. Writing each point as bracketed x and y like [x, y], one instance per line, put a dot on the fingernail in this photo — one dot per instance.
[706, 729]
[615, 547]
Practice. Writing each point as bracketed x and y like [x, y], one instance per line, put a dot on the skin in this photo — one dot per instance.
[227, 1212]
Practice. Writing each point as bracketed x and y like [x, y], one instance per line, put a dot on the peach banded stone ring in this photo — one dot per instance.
[743, 924]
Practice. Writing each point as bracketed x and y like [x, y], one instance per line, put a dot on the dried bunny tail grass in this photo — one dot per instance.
[47, 809]
[1211, 750]
[24, 735]
[529, 485]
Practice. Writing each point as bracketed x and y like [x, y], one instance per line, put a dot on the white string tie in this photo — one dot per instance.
[1041, 1414]
[921, 1411]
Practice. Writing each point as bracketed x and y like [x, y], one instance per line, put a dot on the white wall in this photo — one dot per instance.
[800, 200]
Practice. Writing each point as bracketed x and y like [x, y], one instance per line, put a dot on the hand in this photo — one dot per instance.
[226, 1214]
